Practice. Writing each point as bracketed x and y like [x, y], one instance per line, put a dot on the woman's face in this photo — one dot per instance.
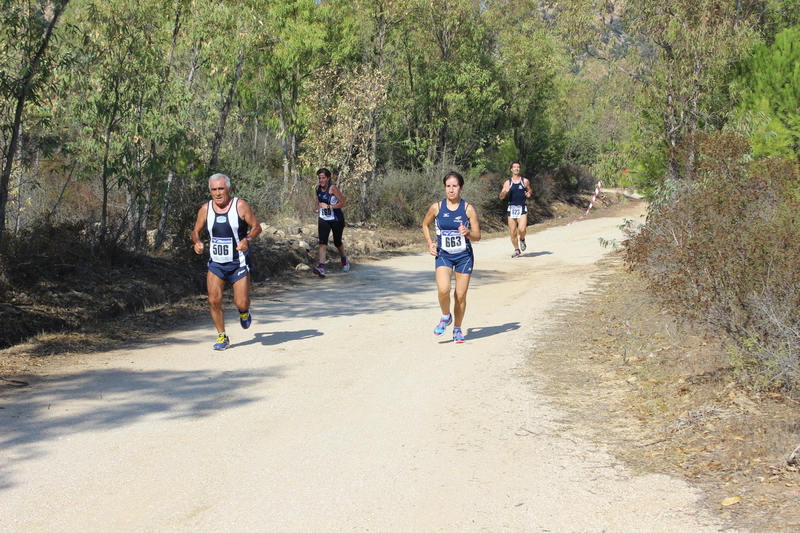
[452, 189]
[323, 179]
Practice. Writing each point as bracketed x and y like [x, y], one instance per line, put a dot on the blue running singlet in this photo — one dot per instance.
[226, 230]
[326, 197]
[517, 201]
[454, 249]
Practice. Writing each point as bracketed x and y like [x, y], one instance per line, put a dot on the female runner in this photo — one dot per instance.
[328, 203]
[456, 228]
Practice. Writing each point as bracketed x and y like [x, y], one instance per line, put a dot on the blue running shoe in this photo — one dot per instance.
[222, 342]
[443, 323]
[245, 319]
[458, 336]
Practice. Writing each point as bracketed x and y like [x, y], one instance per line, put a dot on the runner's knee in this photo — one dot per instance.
[215, 300]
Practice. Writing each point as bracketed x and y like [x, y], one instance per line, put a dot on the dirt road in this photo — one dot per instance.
[338, 410]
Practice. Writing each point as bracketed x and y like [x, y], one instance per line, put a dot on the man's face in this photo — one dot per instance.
[220, 193]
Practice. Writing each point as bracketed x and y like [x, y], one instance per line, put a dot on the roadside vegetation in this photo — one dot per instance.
[722, 252]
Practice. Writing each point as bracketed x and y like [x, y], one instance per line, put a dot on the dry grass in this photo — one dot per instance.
[662, 398]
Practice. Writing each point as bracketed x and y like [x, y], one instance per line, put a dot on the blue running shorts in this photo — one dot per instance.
[461, 263]
[230, 272]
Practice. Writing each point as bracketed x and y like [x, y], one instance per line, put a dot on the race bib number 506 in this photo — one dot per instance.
[221, 249]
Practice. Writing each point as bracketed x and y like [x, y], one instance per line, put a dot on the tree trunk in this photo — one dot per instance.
[104, 181]
[224, 112]
[162, 221]
[20, 98]
[284, 149]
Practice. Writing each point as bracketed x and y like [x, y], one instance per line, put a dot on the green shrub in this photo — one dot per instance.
[723, 251]
[402, 197]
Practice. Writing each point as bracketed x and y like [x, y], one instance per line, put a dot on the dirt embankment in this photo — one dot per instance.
[663, 396]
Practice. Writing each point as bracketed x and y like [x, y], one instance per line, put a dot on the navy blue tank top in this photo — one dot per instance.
[226, 230]
[516, 192]
[449, 240]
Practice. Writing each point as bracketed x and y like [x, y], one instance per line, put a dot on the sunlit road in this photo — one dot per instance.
[338, 410]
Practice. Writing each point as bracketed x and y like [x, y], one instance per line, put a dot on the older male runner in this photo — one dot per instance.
[231, 226]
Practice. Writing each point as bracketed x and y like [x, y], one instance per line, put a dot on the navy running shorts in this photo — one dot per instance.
[461, 263]
[230, 272]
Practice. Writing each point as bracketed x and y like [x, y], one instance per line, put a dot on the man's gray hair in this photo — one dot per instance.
[218, 176]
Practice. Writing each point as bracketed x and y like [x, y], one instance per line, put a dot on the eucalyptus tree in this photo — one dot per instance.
[347, 97]
[341, 107]
[220, 37]
[528, 57]
[169, 118]
[294, 40]
[447, 96]
[685, 65]
[380, 21]
[112, 87]
[776, 16]
[27, 58]
[679, 52]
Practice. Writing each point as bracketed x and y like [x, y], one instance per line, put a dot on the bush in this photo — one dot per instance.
[401, 197]
[723, 251]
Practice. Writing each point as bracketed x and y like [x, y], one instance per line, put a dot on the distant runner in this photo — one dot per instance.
[456, 228]
[231, 226]
[329, 203]
[518, 190]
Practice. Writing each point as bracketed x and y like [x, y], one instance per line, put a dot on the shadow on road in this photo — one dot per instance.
[535, 254]
[370, 288]
[488, 331]
[279, 337]
[107, 400]
[97, 401]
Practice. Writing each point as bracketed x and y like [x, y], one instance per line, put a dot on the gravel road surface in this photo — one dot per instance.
[338, 410]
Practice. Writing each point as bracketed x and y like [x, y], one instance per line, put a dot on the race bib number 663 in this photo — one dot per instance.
[453, 242]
